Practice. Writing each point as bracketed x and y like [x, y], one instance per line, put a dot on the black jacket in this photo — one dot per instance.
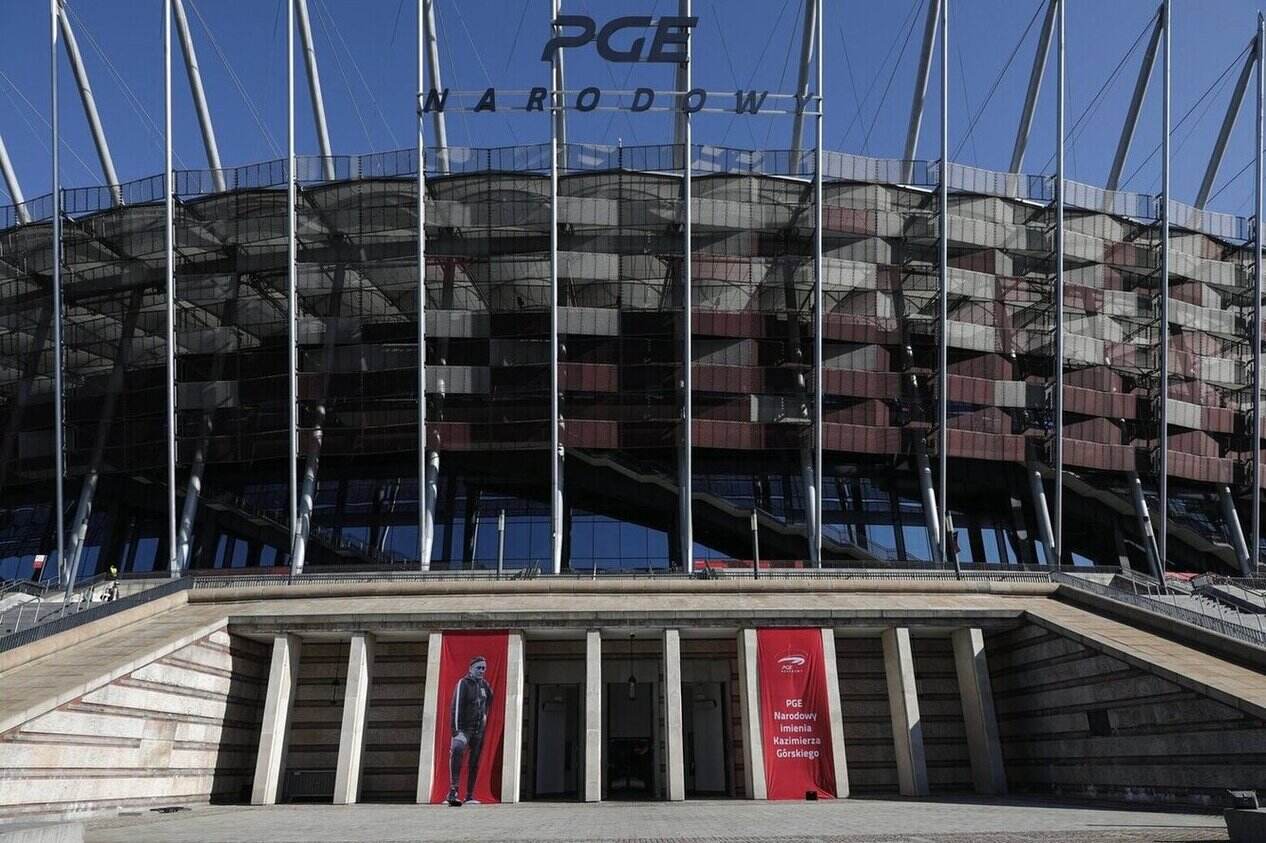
[472, 699]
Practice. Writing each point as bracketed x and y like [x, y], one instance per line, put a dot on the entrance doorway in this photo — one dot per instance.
[630, 752]
[557, 742]
[703, 733]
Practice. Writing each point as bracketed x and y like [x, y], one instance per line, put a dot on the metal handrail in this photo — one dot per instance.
[94, 612]
[1156, 604]
[350, 577]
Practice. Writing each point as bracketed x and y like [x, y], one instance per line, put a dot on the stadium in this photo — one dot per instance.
[651, 415]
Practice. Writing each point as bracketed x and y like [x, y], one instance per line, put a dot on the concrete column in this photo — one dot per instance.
[275, 731]
[836, 712]
[749, 709]
[672, 716]
[903, 703]
[593, 716]
[512, 754]
[430, 709]
[976, 693]
[351, 741]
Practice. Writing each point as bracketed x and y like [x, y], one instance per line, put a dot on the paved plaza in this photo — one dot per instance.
[853, 820]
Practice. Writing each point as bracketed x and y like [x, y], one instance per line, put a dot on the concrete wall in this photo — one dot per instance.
[941, 710]
[181, 729]
[1075, 722]
[315, 721]
[872, 760]
[393, 736]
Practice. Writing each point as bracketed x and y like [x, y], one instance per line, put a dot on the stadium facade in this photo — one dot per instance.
[668, 358]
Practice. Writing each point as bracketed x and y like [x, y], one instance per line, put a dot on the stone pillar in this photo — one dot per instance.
[749, 709]
[974, 689]
[351, 742]
[674, 739]
[275, 729]
[593, 716]
[430, 708]
[512, 745]
[836, 711]
[903, 703]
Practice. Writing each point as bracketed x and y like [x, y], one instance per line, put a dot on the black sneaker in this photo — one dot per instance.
[452, 799]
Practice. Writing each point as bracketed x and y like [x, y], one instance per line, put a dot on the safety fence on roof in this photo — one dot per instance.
[705, 160]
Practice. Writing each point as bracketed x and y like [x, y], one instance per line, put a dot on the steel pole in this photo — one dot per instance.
[199, 96]
[292, 304]
[560, 114]
[1228, 123]
[1136, 103]
[11, 184]
[59, 456]
[90, 106]
[555, 443]
[1058, 403]
[819, 297]
[430, 47]
[169, 233]
[920, 90]
[1162, 537]
[314, 91]
[807, 40]
[1260, 126]
[942, 404]
[1035, 85]
[686, 483]
[425, 524]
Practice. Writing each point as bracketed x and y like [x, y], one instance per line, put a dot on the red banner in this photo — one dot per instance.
[470, 719]
[795, 714]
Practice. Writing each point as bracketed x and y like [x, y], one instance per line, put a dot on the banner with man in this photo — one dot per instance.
[470, 719]
[795, 713]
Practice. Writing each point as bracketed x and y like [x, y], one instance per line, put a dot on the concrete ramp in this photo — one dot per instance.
[1089, 707]
[160, 710]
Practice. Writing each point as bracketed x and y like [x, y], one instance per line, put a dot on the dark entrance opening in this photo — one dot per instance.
[630, 755]
[557, 742]
[703, 733]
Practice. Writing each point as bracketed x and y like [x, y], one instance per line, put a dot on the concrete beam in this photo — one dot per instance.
[275, 730]
[836, 712]
[351, 742]
[903, 703]
[430, 709]
[593, 716]
[673, 740]
[976, 693]
[749, 709]
[512, 743]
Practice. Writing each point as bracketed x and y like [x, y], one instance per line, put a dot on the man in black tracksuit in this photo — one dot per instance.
[472, 700]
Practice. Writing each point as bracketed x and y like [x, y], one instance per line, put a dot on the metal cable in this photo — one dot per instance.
[1093, 105]
[373, 100]
[1174, 129]
[875, 79]
[237, 83]
[134, 102]
[971, 126]
[884, 97]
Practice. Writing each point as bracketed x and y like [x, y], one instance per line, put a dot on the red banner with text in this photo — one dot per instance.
[795, 714]
[470, 719]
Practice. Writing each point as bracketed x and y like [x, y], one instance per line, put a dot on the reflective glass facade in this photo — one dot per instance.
[616, 320]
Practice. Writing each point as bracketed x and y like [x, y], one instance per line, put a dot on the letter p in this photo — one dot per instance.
[583, 22]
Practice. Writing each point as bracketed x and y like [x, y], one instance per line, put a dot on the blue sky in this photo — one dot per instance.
[366, 50]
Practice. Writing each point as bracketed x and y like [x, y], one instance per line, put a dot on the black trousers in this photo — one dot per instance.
[466, 746]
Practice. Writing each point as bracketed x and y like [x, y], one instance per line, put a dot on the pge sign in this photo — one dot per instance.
[667, 47]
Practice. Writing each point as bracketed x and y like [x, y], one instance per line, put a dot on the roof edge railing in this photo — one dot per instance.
[705, 159]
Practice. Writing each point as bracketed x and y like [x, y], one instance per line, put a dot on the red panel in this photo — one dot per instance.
[470, 718]
[795, 713]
